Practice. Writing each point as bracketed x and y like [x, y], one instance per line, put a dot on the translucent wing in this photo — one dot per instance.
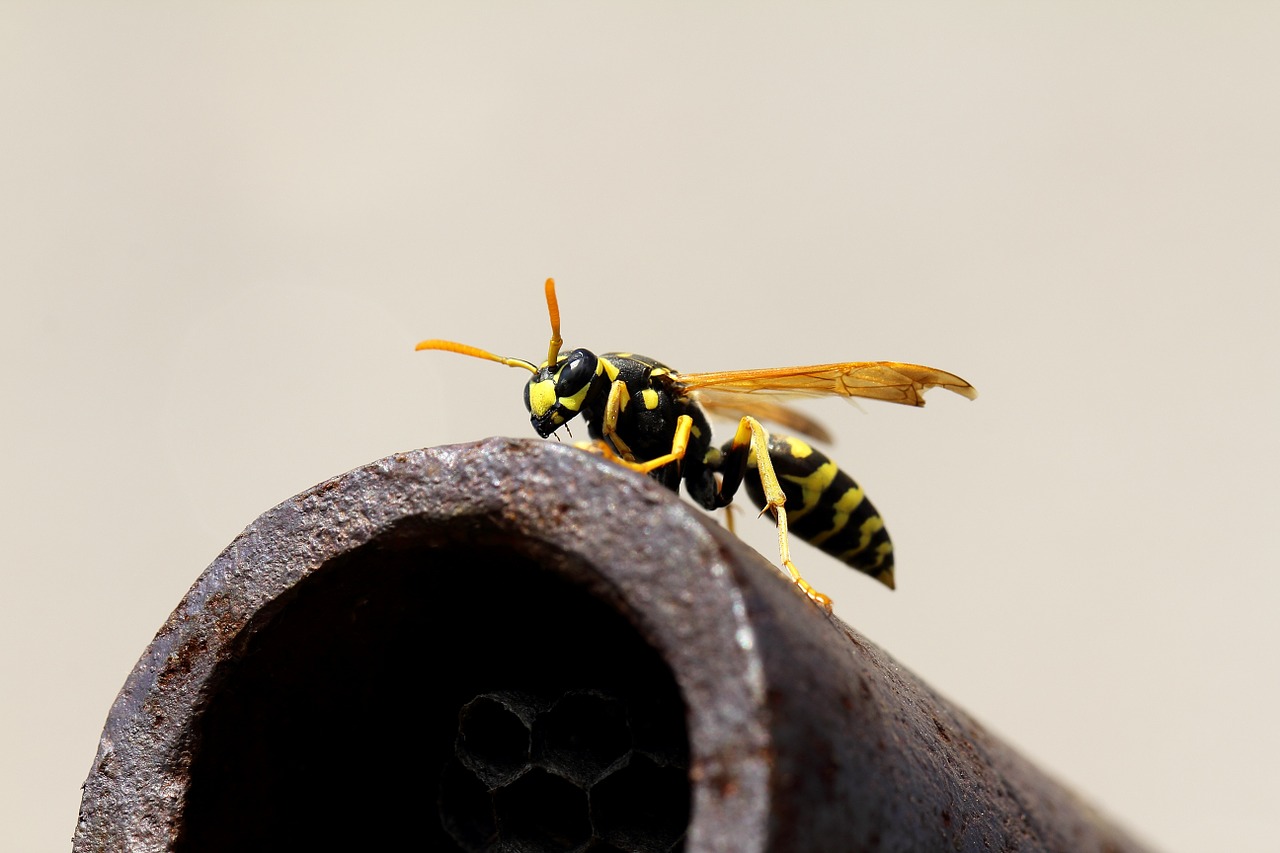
[891, 381]
[735, 404]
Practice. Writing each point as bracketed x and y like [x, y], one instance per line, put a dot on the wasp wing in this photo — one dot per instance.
[735, 404]
[891, 381]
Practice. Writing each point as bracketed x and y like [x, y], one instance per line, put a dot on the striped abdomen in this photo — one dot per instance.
[826, 508]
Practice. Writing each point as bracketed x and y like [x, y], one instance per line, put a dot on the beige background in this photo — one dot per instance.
[223, 227]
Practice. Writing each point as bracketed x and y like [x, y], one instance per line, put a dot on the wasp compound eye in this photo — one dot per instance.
[578, 369]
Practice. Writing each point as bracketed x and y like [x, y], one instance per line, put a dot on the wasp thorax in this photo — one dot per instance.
[555, 393]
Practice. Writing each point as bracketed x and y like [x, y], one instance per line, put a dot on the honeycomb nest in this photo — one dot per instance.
[586, 770]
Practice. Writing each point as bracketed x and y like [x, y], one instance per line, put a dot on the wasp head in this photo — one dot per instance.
[556, 393]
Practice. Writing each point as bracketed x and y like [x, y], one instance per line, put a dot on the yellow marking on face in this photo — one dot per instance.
[542, 396]
[811, 488]
[573, 403]
[650, 398]
[842, 509]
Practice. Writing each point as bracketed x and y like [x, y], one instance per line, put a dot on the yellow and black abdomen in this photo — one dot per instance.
[826, 508]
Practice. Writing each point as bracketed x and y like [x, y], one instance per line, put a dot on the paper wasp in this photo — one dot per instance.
[651, 419]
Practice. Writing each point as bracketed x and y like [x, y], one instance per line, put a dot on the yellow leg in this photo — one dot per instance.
[613, 408]
[679, 445]
[750, 431]
[599, 448]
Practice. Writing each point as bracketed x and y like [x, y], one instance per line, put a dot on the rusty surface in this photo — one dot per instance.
[306, 690]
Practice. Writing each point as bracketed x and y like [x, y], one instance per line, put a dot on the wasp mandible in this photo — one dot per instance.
[651, 419]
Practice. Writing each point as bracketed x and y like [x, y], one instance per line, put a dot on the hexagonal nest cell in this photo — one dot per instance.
[484, 705]
[565, 772]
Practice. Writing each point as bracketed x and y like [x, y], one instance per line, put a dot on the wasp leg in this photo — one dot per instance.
[679, 446]
[599, 448]
[752, 438]
[609, 427]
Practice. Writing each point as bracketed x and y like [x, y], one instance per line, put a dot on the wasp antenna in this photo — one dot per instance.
[475, 352]
[553, 309]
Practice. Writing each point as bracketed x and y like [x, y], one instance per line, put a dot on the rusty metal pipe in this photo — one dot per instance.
[513, 642]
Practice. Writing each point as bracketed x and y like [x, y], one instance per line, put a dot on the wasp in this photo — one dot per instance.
[651, 419]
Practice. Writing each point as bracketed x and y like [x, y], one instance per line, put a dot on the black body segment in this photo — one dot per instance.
[825, 507]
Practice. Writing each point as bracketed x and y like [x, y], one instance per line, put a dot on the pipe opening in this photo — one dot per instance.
[456, 696]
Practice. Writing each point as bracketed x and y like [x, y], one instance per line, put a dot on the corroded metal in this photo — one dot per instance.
[308, 689]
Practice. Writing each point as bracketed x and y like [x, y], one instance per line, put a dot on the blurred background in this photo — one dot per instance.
[224, 226]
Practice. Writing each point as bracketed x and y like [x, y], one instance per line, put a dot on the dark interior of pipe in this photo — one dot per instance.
[447, 696]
